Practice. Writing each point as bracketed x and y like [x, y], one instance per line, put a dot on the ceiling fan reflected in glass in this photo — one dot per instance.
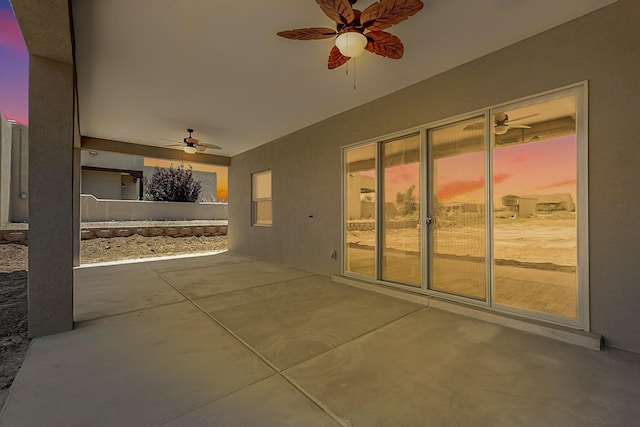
[501, 123]
[357, 31]
[192, 145]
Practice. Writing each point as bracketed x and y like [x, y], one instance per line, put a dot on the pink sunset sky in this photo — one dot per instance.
[14, 68]
[544, 167]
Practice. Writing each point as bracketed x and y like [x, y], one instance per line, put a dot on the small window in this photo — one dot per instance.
[261, 198]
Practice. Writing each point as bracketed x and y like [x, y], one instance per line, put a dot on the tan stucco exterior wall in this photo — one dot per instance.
[602, 47]
[14, 172]
[102, 185]
[5, 169]
[20, 175]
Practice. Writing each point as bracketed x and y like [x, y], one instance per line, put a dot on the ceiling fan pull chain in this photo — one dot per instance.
[354, 73]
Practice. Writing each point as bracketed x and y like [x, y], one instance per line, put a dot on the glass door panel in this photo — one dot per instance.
[400, 200]
[534, 197]
[360, 210]
[458, 230]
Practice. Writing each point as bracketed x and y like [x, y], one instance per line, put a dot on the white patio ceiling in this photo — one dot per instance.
[148, 69]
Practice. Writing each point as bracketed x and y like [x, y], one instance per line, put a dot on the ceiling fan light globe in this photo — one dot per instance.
[351, 44]
[500, 129]
[189, 149]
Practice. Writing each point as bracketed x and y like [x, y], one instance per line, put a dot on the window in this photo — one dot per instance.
[261, 198]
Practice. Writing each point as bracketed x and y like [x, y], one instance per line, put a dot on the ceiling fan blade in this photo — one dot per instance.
[200, 148]
[524, 117]
[211, 146]
[385, 13]
[175, 145]
[315, 33]
[474, 126]
[384, 44]
[338, 10]
[191, 140]
[336, 59]
[518, 126]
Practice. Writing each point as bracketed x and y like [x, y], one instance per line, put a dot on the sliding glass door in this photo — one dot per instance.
[360, 210]
[489, 209]
[400, 234]
[535, 207]
[458, 228]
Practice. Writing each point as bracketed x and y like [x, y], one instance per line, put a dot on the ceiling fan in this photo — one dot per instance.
[192, 145]
[358, 31]
[502, 124]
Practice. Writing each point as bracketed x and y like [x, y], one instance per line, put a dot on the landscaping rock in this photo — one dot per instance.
[87, 234]
[103, 232]
[171, 231]
[124, 232]
[15, 236]
[142, 231]
[156, 231]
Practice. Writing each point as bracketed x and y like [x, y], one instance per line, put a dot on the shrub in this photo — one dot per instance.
[172, 185]
[407, 201]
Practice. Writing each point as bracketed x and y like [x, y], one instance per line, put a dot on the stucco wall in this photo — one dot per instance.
[92, 209]
[103, 185]
[20, 175]
[602, 47]
[5, 169]
[14, 155]
[103, 159]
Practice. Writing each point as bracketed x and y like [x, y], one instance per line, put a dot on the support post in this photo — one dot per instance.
[51, 201]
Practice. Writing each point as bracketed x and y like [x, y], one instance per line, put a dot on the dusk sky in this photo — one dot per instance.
[545, 167]
[14, 68]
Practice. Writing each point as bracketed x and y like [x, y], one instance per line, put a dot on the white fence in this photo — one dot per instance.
[92, 209]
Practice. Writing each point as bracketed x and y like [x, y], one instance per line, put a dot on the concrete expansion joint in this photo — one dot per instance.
[277, 370]
[203, 405]
[253, 287]
[344, 422]
[229, 331]
[123, 313]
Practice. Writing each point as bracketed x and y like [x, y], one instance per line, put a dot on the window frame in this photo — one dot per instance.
[255, 200]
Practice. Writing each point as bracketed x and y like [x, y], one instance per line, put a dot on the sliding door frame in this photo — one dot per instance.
[582, 320]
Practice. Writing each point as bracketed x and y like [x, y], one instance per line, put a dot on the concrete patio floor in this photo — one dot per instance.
[226, 340]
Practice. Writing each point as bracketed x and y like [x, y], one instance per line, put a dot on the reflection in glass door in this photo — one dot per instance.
[535, 207]
[506, 193]
[458, 230]
[360, 210]
[400, 233]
